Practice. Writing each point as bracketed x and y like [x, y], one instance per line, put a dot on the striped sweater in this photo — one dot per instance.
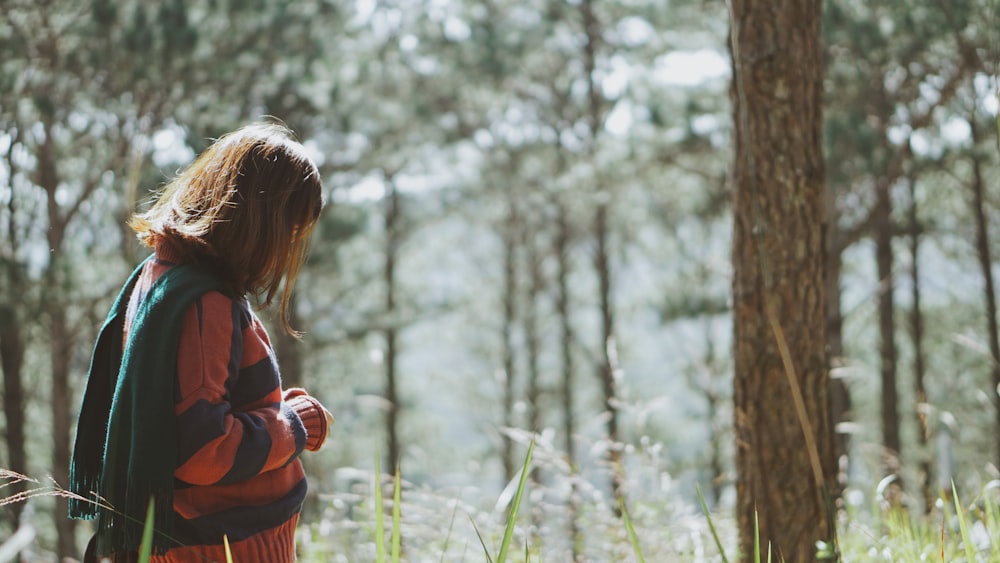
[238, 434]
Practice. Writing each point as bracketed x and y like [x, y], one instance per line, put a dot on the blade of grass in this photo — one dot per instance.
[992, 517]
[711, 525]
[379, 514]
[945, 522]
[993, 527]
[146, 547]
[482, 542]
[397, 496]
[756, 538]
[512, 517]
[963, 526]
[630, 529]
[447, 535]
[942, 539]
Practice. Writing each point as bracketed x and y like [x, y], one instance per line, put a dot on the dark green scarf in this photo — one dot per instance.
[125, 448]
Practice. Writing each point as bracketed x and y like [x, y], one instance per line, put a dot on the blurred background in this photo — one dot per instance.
[526, 236]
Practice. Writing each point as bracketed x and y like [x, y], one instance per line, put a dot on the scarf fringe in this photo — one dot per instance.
[84, 502]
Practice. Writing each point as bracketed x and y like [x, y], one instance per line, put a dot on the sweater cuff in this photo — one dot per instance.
[312, 414]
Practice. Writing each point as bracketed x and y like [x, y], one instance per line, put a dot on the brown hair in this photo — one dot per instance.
[244, 208]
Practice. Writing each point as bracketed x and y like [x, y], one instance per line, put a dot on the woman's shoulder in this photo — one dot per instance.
[236, 307]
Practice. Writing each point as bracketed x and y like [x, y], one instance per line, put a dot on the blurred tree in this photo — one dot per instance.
[62, 148]
[532, 241]
[890, 68]
[392, 237]
[90, 86]
[392, 120]
[973, 47]
[511, 231]
[783, 431]
[567, 387]
[986, 263]
[546, 159]
[883, 233]
[916, 329]
[14, 293]
[565, 69]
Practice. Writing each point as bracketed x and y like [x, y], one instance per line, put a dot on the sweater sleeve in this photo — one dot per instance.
[313, 416]
[231, 421]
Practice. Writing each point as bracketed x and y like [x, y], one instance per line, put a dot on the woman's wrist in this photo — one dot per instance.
[313, 415]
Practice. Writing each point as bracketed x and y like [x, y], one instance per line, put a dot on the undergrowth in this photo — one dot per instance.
[530, 523]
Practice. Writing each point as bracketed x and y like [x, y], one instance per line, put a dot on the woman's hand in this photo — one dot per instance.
[316, 418]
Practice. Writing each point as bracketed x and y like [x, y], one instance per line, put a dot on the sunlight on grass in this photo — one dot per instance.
[512, 517]
[959, 530]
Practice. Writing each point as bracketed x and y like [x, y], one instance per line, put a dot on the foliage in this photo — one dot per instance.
[466, 106]
[869, 531]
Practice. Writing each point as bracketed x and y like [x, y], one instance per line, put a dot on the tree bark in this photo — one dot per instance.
[566, 337]
[60, 339]
[917, 338]
[533, 336]
[12, 339]
[781, 382]
[12, 343]
[61, 347]
[840, 396]
[986, 267]
[533, 351]
[891, 445]
[392, 215]
[602, 260]
[510, 229]
[609, 351]
[12, 347]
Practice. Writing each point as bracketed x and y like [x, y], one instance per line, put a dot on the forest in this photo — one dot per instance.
[726, 270]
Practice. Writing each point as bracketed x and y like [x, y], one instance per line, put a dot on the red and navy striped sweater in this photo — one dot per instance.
[238, 434]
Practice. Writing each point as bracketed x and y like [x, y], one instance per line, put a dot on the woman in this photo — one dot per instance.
[184, 413]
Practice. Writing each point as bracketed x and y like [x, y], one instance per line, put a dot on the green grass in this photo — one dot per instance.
[961, 529]
[958, 531]
[146, 547]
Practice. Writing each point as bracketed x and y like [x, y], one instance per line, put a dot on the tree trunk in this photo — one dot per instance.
[533, 337]
[11, 362]
[986, 267]
[917, 337]
[12, 342]
[609, 351]
[510, 230]
[391, 325]
[566, 336]
[533, 351]
[781, 382]
[713, 401]
[60, 343]
[60, 351]
[61, 348]
[840, 395]
[891, 446]
[602, 263]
